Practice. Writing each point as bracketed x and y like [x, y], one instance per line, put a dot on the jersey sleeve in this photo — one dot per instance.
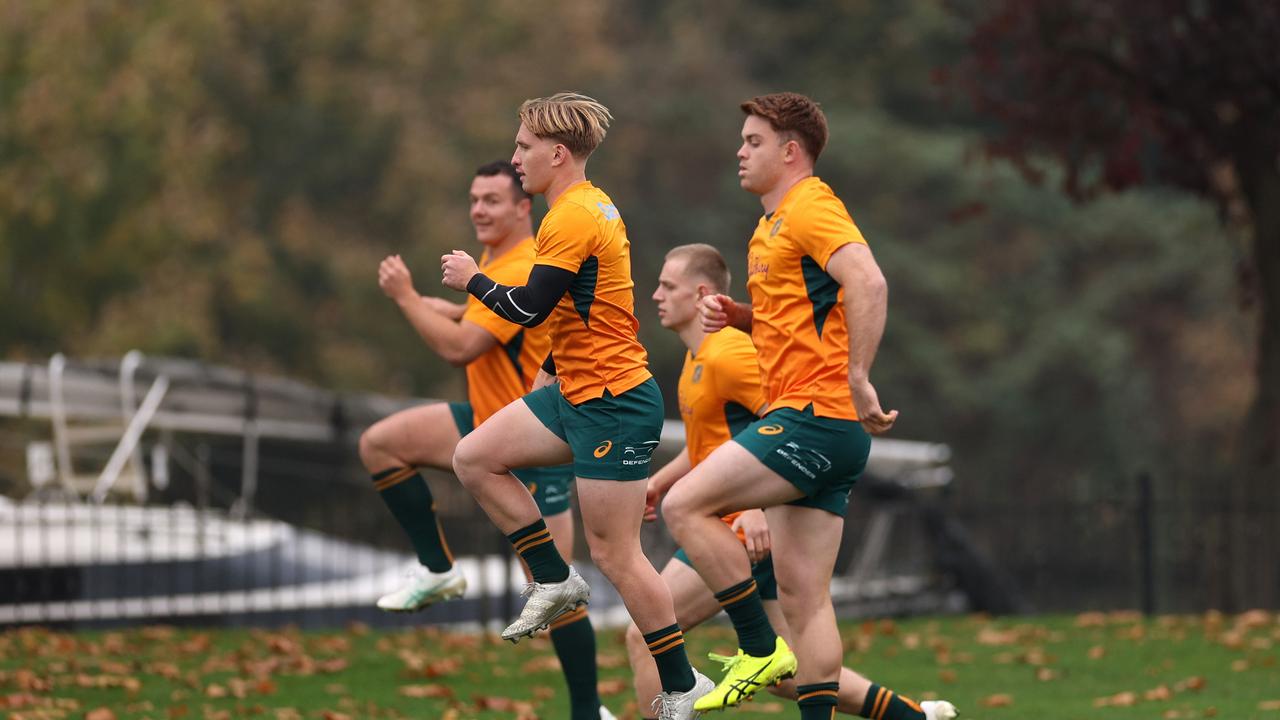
[566, 238]
[737, 376]
[502, 330]
[823, 226]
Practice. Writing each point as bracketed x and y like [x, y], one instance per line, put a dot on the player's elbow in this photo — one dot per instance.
[461, 355]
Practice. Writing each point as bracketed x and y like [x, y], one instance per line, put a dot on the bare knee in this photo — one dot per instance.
[373, 454]
[468, 459]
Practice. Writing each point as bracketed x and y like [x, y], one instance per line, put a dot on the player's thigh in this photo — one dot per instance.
[693, 600]
[421, 436]
[511, 438]
[730, 479]
[805, 543]
[611, 510]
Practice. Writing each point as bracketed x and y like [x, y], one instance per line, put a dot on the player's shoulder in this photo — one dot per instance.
[813, 191]
[728, 347]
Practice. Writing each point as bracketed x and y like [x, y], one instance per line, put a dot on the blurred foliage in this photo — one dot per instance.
[219, 181]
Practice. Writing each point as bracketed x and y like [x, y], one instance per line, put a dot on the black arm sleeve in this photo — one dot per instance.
[549, 365]
[527, 304]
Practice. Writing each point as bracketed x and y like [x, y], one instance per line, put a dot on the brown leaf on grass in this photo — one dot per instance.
[994, 636]
[1045, 674]
[333, 715]
[1239, 665]
[947, 676]
[1122, 699]
[1253, 619]
[1195, 683]
[177, 711]
[1269, 705]
[997, 700]
[613, 687]
[1211, 711]
[543, 663]
[333, 665]
[288, 713]
[430, 690]
[542, 692]
[214, 690]
[1097, 652]
[769, 708]
[609, 661]
[1160, 692]
[1091, 620]
[100, 714]
[438, 668]
[197, 644]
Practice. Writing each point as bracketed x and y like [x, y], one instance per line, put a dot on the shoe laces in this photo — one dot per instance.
[664, 706]
[728, 662]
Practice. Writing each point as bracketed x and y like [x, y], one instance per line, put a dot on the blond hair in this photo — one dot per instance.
[571, 119]
[704, 261]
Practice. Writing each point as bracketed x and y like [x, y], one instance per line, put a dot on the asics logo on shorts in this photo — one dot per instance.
[604, 449]
[769, 429]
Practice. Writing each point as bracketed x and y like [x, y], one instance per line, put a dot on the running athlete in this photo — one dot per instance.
[817, 311]
[501, 361]
[720, 394]
[605, 412]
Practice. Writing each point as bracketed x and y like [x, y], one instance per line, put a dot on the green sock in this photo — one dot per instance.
[575, 643]
[406, 494]
[667, 648]
[818, 701]
[884, 704]
[746, 612]
[538, 550]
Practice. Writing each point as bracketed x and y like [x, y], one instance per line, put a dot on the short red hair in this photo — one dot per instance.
[795, 115]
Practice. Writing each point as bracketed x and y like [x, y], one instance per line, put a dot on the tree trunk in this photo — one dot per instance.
[1256, 499]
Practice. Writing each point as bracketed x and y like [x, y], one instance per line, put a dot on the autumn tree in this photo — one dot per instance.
[1172, 92]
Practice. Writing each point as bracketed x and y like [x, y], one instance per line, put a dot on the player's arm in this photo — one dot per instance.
[457, 342]
[660, 482]
[718, 311]
[451, 310]
[546, 374]
[526, 305]
[866, 302]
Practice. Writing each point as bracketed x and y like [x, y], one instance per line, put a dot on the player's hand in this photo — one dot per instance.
[756, 530]
[543, 379]
[458, 268]
[874, 420]
[716, 311]
[394, 278]
[652, 498]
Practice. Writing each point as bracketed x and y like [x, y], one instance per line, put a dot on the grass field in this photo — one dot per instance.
[1090, 666]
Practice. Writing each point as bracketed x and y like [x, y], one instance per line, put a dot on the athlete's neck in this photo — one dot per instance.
[773, 198]
[692, 336]
[571, 176]
[510, 241]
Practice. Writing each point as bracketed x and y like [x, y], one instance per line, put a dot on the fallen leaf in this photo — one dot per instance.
[432, 690]
[1160, 692]
[995, 701]
[1269, 705]
[100, 714]
[613, 687]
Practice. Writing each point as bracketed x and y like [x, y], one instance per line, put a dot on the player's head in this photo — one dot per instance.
[689, 272]
[557, 133]
[499, 205]
[784, 134]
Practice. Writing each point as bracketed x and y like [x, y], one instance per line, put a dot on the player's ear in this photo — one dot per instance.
[559, 155]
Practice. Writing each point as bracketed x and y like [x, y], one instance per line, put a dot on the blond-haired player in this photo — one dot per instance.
[817, 311]
[605, 412]
[501, 361]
